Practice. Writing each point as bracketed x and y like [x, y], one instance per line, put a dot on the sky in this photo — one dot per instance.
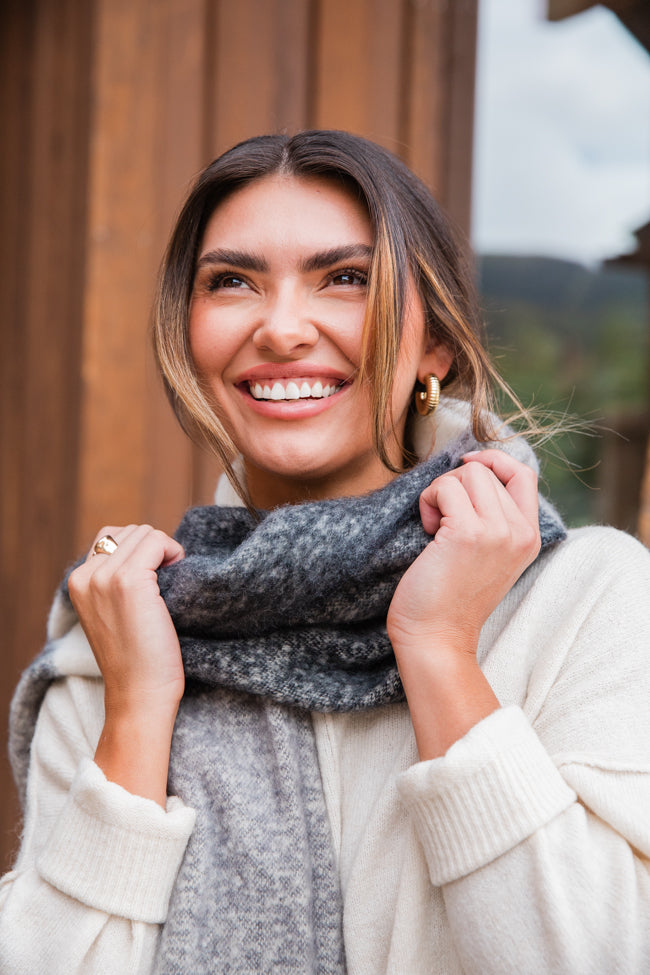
[562, 138]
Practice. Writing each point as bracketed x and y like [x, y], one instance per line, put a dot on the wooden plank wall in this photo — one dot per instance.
[109, 107]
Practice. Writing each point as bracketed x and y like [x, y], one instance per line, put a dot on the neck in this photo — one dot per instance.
[270, 490]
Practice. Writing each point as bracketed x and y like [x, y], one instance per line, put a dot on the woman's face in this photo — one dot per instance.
[276, 324]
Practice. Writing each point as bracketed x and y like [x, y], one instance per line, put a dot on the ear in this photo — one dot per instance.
[437, 359]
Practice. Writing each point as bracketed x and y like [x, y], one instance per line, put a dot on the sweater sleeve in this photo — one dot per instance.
[535, 824]
[96, 866]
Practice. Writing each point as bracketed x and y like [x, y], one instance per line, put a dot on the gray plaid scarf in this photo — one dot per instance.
[276, 618]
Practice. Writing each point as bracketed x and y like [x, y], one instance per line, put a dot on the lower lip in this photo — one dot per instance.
[293, 409]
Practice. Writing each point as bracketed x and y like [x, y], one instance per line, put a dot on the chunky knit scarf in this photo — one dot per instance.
[276, 619]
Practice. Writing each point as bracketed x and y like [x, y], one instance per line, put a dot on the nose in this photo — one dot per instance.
[285, 328]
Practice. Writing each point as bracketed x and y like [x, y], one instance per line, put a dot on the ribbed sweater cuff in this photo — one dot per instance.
[114, 851]
[492, 789]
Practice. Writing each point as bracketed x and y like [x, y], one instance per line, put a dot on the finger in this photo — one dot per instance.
[486, 492]
[445, 498]
[519, 480]
[117, 532]
[147, 548]
[151, 548]
[492, 502]
[488, 497]
[143, 546]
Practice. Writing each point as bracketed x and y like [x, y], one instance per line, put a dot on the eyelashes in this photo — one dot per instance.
[350, 277]
[226, 279]
[347, 277]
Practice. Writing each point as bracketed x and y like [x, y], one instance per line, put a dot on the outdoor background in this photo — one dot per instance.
[561, 182]
[531, 125]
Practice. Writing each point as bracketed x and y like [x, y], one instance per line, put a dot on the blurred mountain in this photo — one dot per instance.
[570, 338]
[571, 295]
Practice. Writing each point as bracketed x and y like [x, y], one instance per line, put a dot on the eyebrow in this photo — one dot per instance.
[347, 252]
[247, 262]
[315, 262]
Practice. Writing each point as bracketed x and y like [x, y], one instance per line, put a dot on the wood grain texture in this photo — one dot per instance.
[259, 69]
[45, 110]
[359, 65]
[146, 143]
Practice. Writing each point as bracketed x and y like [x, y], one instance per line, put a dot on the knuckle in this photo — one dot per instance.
[123, 578]
[536, 544]
[473, 535]
[96, 584]
[528, 540]
[501, 534]
[76, 583]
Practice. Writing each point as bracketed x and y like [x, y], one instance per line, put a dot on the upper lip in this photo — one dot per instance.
[292, 370]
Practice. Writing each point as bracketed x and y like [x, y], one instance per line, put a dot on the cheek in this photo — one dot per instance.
[207, 341]
[199, 352]
[219, 334]
[402, 395]
[342, 330]
[407, 369]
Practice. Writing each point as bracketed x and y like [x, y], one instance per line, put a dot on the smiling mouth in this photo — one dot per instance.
[290, 390]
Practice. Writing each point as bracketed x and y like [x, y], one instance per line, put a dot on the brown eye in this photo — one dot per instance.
[224, 280]
[349, 278]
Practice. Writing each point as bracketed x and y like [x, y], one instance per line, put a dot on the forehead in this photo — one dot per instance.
[280, 210]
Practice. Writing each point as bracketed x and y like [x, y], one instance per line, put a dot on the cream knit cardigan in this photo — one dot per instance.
[525, 849]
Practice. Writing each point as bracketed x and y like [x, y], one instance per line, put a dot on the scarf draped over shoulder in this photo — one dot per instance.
[276, 618]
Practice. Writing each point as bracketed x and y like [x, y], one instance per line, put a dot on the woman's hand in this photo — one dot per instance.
[485, 524]
[136, 647]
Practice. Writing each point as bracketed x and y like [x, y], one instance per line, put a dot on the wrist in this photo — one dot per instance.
[134, 747]
[140, 722]
[434, 642]
[446, 691]
[133, 703]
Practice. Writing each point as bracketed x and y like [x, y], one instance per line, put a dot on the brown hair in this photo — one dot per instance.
[411, 235]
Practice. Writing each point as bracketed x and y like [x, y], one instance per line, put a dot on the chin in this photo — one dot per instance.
[302, 468]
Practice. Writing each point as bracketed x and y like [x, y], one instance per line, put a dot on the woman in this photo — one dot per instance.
[394, 736]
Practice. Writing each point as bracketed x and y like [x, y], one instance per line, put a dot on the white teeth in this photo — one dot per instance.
[291, 391]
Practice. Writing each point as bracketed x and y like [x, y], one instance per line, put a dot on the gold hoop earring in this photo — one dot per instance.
[426, 400]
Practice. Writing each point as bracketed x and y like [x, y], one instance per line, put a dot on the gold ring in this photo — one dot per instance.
[106, 545]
